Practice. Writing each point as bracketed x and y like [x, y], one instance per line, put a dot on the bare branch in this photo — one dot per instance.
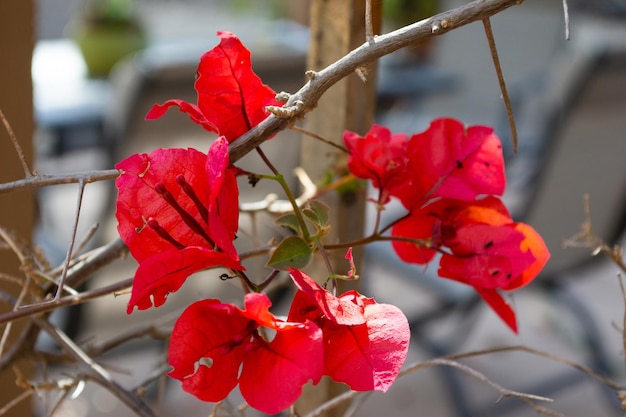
[623, 290]
[20, 153]
[501, 82]
[151, 329]
[482, 378]
[369, 23]
[69, 300]
[16, 400]
[97, 372]
[521, 348]
[65, 393]
[319, 82]
[20, 346]
[98, 258]
[530, 399]
[452, 360]
[566, 17]
[86, 238]
[42, 180]
[9, 326]
[25, 342]
[589, 239]
[70, 247]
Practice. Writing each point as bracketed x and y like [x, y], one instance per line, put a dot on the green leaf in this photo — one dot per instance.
[292, 252]
[321, 210]
[317, 212]
[290, 221]
[311, 215]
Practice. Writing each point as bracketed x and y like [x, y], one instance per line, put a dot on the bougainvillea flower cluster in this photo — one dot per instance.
[448, 178]
[178, 213]
[350, 338]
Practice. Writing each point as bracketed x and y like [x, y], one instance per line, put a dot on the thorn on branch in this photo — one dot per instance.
[287, 112]
[369, 24]
[505, 95]
[438, 26]
[566, 17]
[28, 172]
[362, 73]
[283, 96]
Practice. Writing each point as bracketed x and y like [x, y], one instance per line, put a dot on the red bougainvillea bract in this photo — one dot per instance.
[449, 177]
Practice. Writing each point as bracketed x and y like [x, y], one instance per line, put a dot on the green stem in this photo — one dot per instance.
[278, 177]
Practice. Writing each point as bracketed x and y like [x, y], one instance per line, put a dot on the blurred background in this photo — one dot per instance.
[99, 66]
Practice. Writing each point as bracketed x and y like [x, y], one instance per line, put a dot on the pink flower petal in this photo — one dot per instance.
[368, 356]
[273, 373]
[164, 273]
[206, 349]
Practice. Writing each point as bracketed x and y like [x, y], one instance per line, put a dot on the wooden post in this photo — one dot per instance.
[337, 27]
[16, 209]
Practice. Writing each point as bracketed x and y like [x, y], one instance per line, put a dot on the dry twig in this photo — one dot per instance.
[369, 22]
[530, 399]
[566, 17]
[20, 153]
[505, 94]
[42, 180]
[70, 247]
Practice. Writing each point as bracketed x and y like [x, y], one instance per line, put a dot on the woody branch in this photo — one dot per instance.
[305, 99]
